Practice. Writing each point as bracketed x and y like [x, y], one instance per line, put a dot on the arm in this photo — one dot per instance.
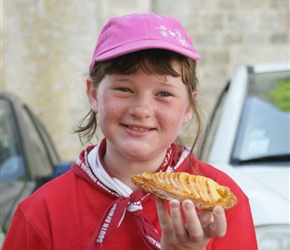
[22, 235]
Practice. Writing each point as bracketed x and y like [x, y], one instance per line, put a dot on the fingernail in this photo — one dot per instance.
[174, 203]
[188, 205]
[218, 210]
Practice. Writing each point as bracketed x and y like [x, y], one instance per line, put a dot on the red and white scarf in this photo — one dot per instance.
[90, 167]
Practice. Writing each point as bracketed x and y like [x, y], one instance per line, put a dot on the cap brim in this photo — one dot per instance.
[148, 44]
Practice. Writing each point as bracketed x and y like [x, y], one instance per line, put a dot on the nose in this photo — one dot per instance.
[141, 107]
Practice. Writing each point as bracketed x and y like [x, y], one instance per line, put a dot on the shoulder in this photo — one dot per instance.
[210, 171]
[62, 195]
[222, 178]
[239, 217]
[53, 194]
[40, 194]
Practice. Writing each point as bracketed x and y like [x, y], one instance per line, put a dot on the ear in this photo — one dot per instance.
[189, 112]
[92, 95]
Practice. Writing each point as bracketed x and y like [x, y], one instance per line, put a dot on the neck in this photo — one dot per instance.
[123, 168]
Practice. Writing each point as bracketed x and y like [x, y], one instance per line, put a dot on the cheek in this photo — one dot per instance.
[172, 118]
[109, 112]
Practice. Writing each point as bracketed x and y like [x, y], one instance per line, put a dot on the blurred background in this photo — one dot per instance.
[47, 47]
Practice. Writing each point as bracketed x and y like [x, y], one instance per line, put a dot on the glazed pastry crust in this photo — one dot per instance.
[204, 192]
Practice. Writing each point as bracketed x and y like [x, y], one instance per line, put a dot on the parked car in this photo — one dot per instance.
[28, 158]
[248, 137]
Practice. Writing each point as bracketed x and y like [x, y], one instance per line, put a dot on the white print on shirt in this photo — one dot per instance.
[106, 224]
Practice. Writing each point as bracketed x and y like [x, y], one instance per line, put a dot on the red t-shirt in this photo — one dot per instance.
[65, 213]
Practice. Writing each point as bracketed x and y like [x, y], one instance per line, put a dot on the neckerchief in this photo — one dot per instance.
[90, 167]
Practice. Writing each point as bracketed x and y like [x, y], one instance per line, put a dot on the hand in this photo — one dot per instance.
[197, 231]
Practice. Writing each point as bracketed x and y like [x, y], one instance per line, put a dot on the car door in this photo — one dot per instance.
[13, 172]
[28, 157]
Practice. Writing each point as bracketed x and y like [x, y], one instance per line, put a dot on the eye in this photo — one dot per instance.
[126, 90]
[164, 94]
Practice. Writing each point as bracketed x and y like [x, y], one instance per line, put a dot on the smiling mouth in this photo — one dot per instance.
[139, 129]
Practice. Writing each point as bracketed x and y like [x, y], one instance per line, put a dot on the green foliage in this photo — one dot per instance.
[280, 95]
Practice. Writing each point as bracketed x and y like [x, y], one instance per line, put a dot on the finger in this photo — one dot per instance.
[219, 226]
[176, 220]
[205, 217]
[164, 218]
[194, 228]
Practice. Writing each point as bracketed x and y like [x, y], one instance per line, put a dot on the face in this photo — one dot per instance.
[140, 114]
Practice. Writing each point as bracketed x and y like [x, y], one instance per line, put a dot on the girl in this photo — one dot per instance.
[142, 88]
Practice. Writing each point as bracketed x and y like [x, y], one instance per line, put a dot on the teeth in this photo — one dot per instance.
[139, 129]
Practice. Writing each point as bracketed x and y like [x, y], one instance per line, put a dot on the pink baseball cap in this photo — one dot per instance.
[129, 33]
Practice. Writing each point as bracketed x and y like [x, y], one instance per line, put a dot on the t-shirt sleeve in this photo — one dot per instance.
[22, 235]
[240, 233]
[240, 230]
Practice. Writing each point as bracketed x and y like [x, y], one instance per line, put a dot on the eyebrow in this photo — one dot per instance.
[122, 78]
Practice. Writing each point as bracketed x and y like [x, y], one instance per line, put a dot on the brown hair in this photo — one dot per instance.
[151, 61]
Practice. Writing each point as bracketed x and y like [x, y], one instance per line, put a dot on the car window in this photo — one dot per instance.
[42, 165]
[46, 139]
[11, 161]
[264, 126]
[210, 131]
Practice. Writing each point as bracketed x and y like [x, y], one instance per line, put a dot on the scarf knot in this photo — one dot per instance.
[135, 207]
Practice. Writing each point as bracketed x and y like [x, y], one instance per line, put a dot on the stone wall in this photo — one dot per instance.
[47, 46]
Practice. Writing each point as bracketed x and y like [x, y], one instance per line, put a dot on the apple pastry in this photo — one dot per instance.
[204, 192]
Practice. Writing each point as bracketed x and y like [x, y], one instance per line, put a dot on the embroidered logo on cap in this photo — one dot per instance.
[168, 32]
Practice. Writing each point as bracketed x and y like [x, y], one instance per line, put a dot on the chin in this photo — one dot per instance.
[141, 154]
